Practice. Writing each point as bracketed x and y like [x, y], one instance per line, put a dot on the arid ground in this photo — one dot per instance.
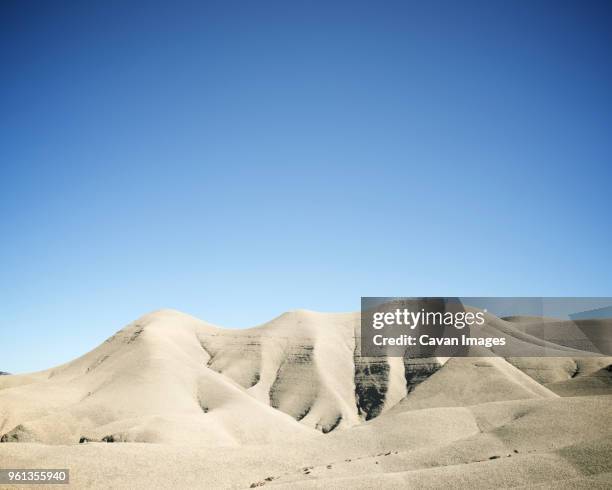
[170, 401]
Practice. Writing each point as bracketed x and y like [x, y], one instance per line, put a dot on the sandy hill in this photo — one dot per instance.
[293, 402]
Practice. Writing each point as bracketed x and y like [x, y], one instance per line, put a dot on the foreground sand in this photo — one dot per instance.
[292, 404]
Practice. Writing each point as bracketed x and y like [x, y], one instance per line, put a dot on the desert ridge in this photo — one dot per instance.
[171, 400]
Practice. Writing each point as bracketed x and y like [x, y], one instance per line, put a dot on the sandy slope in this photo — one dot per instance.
[292, 403]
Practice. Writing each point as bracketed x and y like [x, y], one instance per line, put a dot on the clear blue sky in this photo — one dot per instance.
[235, 160]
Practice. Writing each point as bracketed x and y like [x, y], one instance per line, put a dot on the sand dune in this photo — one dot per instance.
[293, 403]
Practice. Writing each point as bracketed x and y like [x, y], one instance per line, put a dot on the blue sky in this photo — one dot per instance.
[235, 160]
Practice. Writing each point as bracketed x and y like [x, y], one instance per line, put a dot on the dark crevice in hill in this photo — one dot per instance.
[371, 385]
[418, 370]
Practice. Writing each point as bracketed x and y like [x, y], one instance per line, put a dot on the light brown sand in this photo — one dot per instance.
[292, 404]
